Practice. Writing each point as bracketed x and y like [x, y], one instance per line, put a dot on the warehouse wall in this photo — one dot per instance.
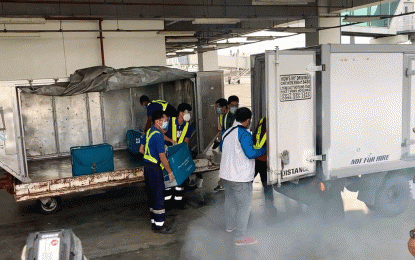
[52, 55]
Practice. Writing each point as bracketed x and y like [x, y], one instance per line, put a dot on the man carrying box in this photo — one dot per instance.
[179, 131]
[152, 147]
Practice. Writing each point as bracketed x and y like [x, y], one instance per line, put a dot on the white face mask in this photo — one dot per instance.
[233, 110]
[187, 117]
[165, 125]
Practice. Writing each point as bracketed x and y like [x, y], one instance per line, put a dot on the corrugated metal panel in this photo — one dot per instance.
[71, 115]
[117, 114]
[38, 124]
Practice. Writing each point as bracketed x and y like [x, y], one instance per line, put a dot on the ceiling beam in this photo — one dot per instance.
[112, 9]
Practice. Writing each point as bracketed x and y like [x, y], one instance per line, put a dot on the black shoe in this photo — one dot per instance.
[165, 230]
[219, 188]
[216, 144]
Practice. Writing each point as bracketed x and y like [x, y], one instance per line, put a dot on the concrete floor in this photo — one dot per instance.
[115, 225]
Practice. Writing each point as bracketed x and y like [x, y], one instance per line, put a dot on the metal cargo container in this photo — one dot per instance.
[337, 112]
[38, 130]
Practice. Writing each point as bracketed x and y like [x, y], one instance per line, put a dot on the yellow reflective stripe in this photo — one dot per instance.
[147, 154]
[163, 103]
[260, 142]
[184, 132]
[174, 131]
[264, 139]
[220, 120]
[226, 118]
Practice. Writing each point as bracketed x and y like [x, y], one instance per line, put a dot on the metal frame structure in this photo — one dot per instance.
[19, 124]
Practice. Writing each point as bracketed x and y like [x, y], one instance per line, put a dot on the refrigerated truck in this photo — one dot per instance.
[339, 116]
[39, 127]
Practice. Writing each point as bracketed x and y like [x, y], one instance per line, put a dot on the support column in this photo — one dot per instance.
[207, 61]
[332, 36]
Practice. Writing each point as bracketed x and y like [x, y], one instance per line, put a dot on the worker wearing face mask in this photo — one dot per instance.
[237, 168]
[155, 105]
[221, 106]
[226, 121]
[152, 147]
[233, 104]
[180, 130]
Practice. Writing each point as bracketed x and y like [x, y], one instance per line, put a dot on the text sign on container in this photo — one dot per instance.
[295, 87]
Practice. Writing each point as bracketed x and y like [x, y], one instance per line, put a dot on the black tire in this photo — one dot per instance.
[393, 197]
[51, 206]
[192, 182]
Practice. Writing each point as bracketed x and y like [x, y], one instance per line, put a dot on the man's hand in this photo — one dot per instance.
[171, 176]
[173, 142]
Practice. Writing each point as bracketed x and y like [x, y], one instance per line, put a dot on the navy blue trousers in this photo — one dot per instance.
[155, 193]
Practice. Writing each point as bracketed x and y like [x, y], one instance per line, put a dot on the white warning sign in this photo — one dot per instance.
[295, 87]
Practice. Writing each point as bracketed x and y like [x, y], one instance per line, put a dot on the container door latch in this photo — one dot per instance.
[314, 158]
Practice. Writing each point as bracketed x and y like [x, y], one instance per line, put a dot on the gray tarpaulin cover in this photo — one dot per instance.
[103, 79]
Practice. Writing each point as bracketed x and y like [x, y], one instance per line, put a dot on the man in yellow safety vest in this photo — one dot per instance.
[226, 121]
[180, 130]
[260, 139]
[154, 106]
[152, 147]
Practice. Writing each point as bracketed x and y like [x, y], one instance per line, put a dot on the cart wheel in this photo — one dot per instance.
[192, 182]
[49, 205]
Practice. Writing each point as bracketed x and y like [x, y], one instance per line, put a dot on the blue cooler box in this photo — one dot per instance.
[181, 163]
[92, 159]
[133, 141]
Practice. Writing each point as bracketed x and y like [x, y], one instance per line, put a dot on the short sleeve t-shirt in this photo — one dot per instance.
[156, 144]
[179, 129]
[170, 110]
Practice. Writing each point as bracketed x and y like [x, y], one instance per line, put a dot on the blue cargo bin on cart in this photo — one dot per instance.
[181, 163]
[133, 138]
[92, 159]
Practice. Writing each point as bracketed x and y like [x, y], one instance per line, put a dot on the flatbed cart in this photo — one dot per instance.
[48, 192]
[38, 128]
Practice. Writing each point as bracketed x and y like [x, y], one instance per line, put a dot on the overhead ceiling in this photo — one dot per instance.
[207, 20]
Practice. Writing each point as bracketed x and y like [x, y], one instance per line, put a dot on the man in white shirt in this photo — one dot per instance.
[237, 168]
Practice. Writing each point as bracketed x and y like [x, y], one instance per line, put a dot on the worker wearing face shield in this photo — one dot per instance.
[180, 131]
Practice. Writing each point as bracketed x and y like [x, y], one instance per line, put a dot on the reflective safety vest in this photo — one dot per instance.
[260, 142]
[147, 154]
[223, 124]
[174, 131]
[163, 103]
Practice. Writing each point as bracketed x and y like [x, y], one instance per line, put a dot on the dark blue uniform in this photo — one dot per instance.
[180, 128]
[177, 193]
[153, 175]
[170, 110]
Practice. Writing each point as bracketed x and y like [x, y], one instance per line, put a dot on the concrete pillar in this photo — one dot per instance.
[207, 61]
[332, 36]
